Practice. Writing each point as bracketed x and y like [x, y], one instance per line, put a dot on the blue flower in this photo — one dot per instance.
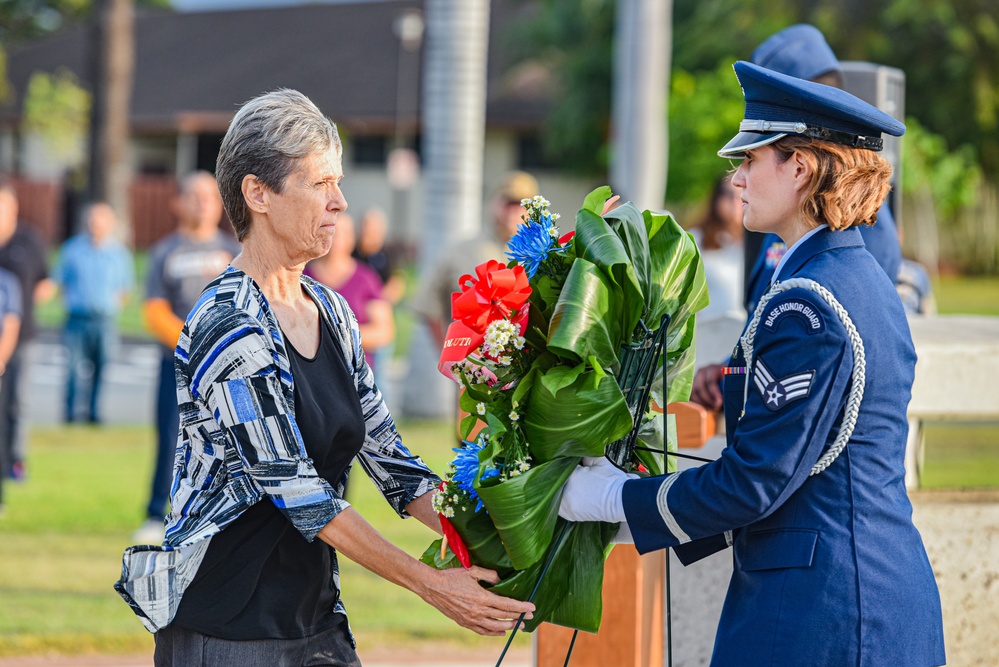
[532, 243]
[466, 467]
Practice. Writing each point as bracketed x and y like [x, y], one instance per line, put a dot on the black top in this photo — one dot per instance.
[260, 579]
[380, 262]
[24, 256]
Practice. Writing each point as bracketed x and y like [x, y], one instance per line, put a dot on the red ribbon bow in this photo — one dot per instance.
[494, 293]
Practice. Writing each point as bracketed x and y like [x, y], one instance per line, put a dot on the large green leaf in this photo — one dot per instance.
[676, 268]
[597, 242]
[483, 542]
[572, 412]
[587, 318]
[595, 200]
[627, 222]
[570, 592]
[524, 509]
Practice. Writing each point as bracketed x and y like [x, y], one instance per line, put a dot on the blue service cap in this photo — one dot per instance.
[778, 105]
[799, 51]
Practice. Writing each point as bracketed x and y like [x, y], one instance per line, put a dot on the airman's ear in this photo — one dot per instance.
[802, 170]
[255, 193]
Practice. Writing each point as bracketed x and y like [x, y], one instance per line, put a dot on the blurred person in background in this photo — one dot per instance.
[180, 265]
[718, 235]
[371, 250]
[95, 273]
[433, 301]
[360, 286]
[277, 400]
[10, 329]
[23, 253]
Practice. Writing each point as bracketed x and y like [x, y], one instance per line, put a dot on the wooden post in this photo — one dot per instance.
[631, 633]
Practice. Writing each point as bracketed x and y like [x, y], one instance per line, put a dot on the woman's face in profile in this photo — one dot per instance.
[768, 192]
[304, 214]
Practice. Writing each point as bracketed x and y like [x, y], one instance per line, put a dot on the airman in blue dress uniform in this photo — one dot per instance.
[829, 569]
[802, 51]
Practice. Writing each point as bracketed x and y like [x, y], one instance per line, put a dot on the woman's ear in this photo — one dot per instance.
[255, 193]
[802, 170]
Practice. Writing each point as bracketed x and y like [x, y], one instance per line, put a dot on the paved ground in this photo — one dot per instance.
[418, 657]
[130, 381]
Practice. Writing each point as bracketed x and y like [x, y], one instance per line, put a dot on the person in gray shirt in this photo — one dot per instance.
[180, 266]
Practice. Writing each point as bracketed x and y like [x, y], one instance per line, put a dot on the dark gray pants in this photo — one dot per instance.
[178, 647]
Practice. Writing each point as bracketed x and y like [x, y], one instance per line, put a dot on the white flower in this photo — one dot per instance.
[514, 416]
[480, 408]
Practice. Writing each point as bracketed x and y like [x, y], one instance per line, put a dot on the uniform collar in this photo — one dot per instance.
[825, 239]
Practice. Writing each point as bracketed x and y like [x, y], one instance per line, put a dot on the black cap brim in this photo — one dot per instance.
[745, 141]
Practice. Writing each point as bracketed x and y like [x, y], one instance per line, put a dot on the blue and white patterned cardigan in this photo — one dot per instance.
[239, 441]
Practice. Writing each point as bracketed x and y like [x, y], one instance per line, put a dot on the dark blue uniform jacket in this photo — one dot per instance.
[881, 240]
[828, 569]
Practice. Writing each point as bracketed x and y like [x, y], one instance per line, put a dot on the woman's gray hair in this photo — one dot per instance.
[266, 138]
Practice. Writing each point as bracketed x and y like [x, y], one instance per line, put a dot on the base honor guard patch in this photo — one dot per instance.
[799, 308]
[778, 393]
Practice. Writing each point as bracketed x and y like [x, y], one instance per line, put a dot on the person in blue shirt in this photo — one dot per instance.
[829, 569]
[10, 329]
[800, 51]
[95, 273]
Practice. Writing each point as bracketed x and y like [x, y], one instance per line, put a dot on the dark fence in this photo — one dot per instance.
[47, 207]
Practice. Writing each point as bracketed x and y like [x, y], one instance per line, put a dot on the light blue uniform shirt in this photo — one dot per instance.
[94, 277]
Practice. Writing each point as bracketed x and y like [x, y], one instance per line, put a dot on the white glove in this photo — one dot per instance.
[594, 493]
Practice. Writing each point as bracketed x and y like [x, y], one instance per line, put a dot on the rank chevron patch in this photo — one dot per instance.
[778, 393]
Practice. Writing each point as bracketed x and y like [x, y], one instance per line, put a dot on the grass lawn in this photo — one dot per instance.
[961, 455]
[967, 295]
[65, 528]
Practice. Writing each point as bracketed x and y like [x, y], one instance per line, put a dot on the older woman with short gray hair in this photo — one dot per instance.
[276, 401]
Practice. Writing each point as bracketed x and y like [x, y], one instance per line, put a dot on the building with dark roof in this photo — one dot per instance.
[194, 69]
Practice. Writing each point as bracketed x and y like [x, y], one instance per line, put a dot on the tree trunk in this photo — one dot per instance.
[113, 47]
[454, 110]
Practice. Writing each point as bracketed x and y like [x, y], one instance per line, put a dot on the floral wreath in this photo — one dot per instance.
[539, 346]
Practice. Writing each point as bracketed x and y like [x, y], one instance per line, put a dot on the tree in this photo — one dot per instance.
[26, 19]
[949, 50]
[114, 48]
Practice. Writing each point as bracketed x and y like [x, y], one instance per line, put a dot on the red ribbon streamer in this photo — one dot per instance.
[453, 539]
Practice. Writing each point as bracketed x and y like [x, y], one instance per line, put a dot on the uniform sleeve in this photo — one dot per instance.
[797, 386]
[234, 371]
[398, 475]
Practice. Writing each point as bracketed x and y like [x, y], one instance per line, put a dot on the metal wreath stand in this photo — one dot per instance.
[640, 362]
